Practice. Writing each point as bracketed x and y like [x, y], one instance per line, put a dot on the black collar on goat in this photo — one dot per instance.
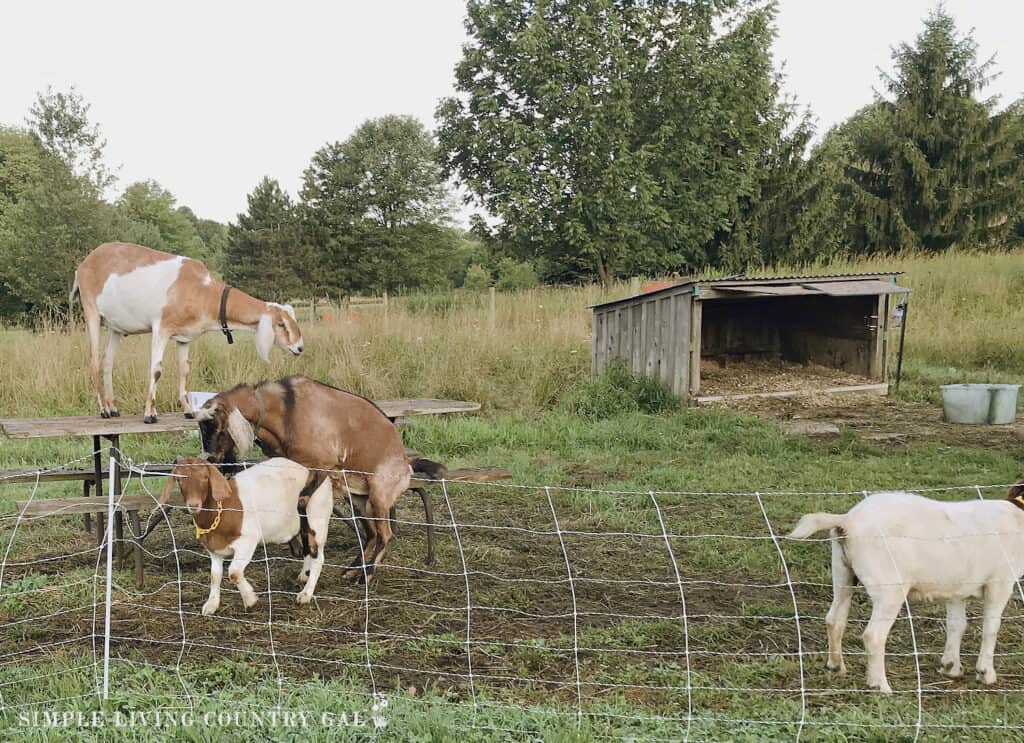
[323, 427]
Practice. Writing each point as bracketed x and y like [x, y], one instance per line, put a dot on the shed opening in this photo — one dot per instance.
[742, 337]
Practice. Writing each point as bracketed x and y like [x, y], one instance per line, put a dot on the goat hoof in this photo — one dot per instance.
[951, 671]
[365, 579]
[190, 414]
[115, 413]
[987, 677]
[839, 670]
[104, 414]
[303, 598]
[149, 419]
[209, 608]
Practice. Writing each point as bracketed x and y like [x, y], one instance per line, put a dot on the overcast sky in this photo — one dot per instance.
[208, 97]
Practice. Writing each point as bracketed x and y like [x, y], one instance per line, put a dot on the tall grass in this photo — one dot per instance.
[964, 324]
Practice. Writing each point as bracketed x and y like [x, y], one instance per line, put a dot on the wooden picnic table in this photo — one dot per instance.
[112, 429]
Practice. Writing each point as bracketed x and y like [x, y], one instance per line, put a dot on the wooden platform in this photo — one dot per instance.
[143, 501]
[93, 425]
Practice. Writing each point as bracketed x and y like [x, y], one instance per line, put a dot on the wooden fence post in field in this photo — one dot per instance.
[312, 309]
[490, 322]
[634, 286]
[385, 310]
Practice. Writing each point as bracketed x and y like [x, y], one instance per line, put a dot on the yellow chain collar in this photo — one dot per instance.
[216, 522]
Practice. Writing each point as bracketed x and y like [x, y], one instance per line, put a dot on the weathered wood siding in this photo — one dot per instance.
[650, 335]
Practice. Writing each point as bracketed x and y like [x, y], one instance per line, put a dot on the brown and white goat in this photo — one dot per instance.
[258, 506]
[134, 289]
[324, 428]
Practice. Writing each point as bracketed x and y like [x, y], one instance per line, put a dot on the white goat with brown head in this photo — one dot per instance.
[134, 289]
[259, 506]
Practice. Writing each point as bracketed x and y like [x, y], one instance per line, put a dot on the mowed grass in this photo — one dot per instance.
[736, 673]
[736, 668]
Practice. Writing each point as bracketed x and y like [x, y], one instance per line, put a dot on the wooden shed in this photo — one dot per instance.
[838, 322]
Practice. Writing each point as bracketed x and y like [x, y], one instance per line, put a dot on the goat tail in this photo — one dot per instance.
[75, 291]
[429, 469]
[812, 523]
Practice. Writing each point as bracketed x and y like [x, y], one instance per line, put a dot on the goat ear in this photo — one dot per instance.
[220, 490]
[168, 488]
[265, 337]
[289, 309]
[241, 432]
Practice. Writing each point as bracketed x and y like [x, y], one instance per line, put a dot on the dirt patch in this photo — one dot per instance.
[764, 376]
[883, 421]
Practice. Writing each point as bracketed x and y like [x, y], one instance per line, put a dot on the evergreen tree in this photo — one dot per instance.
[933, 164]
[265, 255]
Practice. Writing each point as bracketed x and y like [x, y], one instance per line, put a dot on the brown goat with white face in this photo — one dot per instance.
[134, 290]
[321, 427]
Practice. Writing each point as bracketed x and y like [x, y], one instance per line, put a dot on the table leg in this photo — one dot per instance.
[137, 549]
[115, 457]
[86, 486]
[97, 464]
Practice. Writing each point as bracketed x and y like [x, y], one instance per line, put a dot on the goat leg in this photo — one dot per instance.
[428, 516]
[309, 545]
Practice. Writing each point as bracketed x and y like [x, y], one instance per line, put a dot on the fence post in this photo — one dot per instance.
[490, 324]
[110, 575]
[385, 309]
[634, 286]
[312, 309]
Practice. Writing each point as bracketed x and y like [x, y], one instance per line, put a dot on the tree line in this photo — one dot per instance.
[603, 138]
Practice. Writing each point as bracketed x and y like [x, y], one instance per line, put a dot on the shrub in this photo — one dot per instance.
[513, 274]
[617, 390]
[478, 278]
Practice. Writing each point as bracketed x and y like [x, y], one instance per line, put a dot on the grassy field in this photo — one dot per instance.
[964, 325]
[737, 671]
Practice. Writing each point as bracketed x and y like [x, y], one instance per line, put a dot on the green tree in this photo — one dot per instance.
[57, 219]
[214, 236]
[265, 254]
[20, 164]
[933, 165]
[61, 122]
[795, 214]
[150, 217]
[477, 278]
[375, 206]
[611, 136]
[513, 274]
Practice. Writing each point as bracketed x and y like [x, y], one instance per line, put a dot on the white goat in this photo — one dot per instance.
[260, 505]
[901, 545]
[134, 290]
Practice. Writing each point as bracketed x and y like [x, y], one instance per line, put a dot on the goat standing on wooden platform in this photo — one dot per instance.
[233, 517]
[324, 428]
[135, 290]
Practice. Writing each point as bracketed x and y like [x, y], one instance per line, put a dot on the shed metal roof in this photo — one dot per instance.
[849, 284]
